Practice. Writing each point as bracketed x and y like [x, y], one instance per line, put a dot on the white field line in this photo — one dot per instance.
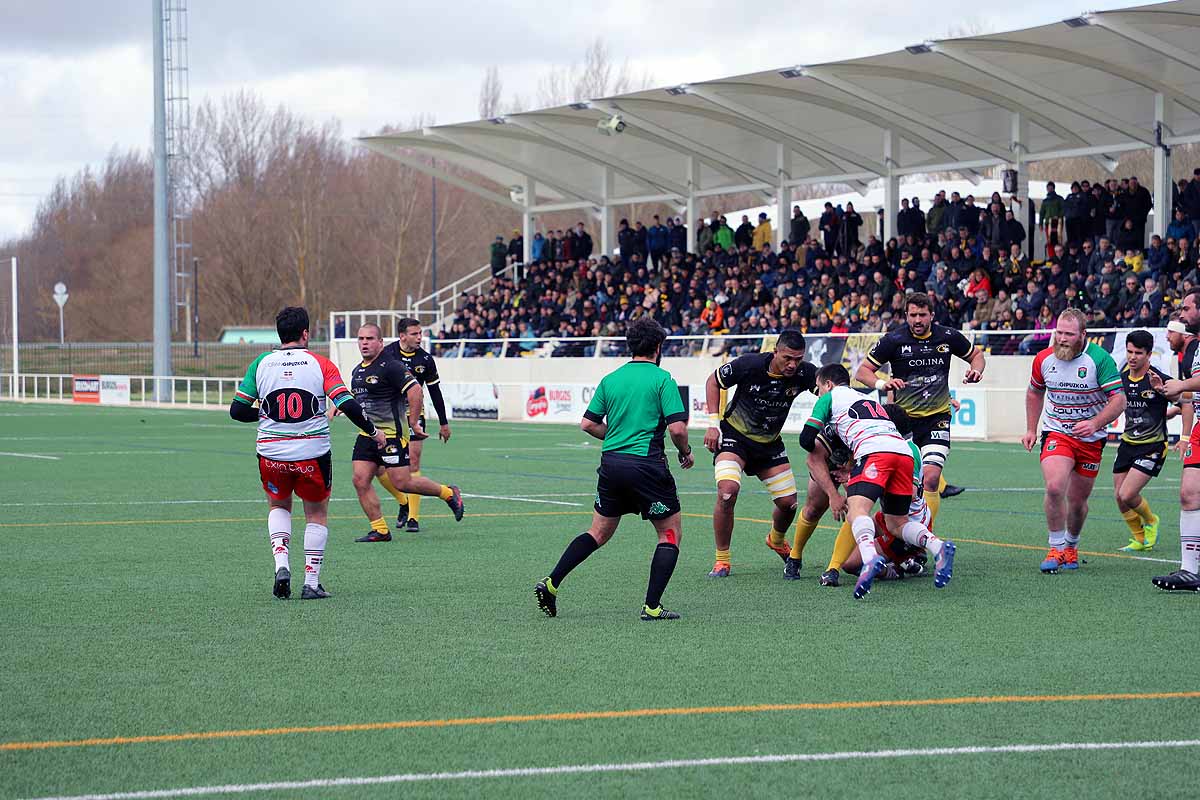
[31, 455]
[631, 766]
[261, 500]
[522, 500]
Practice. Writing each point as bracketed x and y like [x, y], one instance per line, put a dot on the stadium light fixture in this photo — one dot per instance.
[581, 106]
[919, 49]
[675, 91]
[1076, 22]
[794, 72]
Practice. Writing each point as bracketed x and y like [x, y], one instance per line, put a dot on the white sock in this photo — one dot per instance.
[918, 535]
[279, 527]
[315, 537]
[1058, 538]
[1072, 541]
[1189, 540]
[863, 529]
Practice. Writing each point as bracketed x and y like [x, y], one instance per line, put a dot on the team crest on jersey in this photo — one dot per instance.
[419, 370]
[1051, 446]
[1083, 372]
[905, 349]
[1148, 394]
[372, 379]
[943, 348]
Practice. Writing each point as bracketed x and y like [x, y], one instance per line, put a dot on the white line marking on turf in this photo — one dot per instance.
[522, 500]
[31, 455]
[632, 766]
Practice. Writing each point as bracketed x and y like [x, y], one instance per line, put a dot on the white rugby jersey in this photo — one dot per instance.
[860, 422]
[1075, 390]
[290, 387]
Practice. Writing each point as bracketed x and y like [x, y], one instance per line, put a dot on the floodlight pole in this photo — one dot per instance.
[16, 358]
[162, 265]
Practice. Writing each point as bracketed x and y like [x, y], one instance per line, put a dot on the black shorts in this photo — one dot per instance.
[632, 484]
[758, 456]
[394, 455]
[934, 429]
[1148, 458]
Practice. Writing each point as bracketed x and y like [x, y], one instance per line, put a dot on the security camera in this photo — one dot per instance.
[517, 194]
[611, 126]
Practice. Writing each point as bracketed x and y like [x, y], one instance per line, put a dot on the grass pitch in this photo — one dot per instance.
[137, 614]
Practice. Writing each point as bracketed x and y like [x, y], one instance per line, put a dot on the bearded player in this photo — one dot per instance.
[746, 438]
[1083, 386]
[1187, 577]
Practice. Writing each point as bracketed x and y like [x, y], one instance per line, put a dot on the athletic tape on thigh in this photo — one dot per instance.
[728, 471]
[934, 454]
[781, 485]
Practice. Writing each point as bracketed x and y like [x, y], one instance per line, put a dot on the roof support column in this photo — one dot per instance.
[891, 184]
[783, 195]
[693, 185]
[1018, 144]
[1164, 112]
[607, 223]
[527, 219]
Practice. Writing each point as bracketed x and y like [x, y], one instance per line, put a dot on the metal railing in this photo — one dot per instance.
[187, 390]
[219, 359]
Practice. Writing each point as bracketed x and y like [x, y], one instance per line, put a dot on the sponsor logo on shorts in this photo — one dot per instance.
[1091, 467]
[1051, 446]
[871, 472]
[940, 435]
[1146, 463]
[295, 467]
[272, 488]
[657, 508]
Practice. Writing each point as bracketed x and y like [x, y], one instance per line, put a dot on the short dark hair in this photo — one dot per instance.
[404, 323]
[291, 323]
[791, 339]
[835, 374]
[899, 418]
[644, 335]
[1142, 340]
[920, 300]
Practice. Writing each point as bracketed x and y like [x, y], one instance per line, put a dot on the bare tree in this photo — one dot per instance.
[597, 76]
[971, 26]
[489, 93]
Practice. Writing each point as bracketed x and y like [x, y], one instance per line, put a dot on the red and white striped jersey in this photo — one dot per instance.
[860, 422]
[1075, 390]
[290, 387]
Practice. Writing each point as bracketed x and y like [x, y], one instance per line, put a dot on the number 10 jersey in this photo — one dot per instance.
[290, 387]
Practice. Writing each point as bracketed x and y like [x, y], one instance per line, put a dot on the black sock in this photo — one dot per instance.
[576, 553]
[661, 567]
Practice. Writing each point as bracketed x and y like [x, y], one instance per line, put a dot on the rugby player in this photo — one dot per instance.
[1143, 449]
[629, 412]
[407, 349]
[834, 457]
[746, 439]
[920, 354]
[383, 386]
[1187, 577]
[290, 385]
[883, 472]
[1184, 345]
[1084, 388]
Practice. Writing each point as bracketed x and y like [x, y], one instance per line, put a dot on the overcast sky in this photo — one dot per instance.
[75, 75]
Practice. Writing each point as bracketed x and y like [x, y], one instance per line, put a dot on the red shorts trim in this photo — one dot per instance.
[892, 472]
[1086, 455]
[1191, 454]
[310, 479]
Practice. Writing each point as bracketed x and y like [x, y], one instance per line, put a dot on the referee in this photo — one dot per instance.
[630, 410]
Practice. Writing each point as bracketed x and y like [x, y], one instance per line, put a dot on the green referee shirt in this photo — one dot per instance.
[638, 401]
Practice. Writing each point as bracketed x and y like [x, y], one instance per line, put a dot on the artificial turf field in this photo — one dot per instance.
[137, 603]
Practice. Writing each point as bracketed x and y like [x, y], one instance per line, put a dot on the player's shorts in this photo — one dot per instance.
[892, 548]
[932, 436]
[311, 479]
[630, 484]
[395, 454]
[1086, 455]
[1191, 455]
[1148, 458]
[757, 456]
[884, 475]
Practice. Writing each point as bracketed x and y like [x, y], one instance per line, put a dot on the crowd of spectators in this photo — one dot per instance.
[973, 259]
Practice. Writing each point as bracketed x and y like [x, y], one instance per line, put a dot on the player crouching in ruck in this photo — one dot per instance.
[1083, 386]
[883, 472]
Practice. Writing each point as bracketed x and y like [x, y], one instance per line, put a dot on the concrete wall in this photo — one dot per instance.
[1004, 380]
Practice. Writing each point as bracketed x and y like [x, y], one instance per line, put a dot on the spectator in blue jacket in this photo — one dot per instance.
[537, 248]
[658, 242]
[1180, 227]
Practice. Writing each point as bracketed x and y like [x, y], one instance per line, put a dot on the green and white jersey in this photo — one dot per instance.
[290, 387]
[860, 422]
[1075, 390]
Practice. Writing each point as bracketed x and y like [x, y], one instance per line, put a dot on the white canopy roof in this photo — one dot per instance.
[1094, 85]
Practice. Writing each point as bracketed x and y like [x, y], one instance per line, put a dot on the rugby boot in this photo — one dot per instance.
[375, 536]
[721, 569]
[1053, 561]
[943, 568]
[1178, 581]
[1070, 559]
[829, 577]
[456, 504]
[791, 568]
[311, 593]
[784, 550]
[867, 577]
[654, 614]
[283, 583]
[547, 596]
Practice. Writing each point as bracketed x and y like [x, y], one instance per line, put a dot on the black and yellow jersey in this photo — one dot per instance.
[379, 387]
[838, 454]
[923, 364]
[761, 403]
[419, 362]
[1145, 409]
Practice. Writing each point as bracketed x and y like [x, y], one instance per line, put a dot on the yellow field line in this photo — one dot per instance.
[575, 716]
